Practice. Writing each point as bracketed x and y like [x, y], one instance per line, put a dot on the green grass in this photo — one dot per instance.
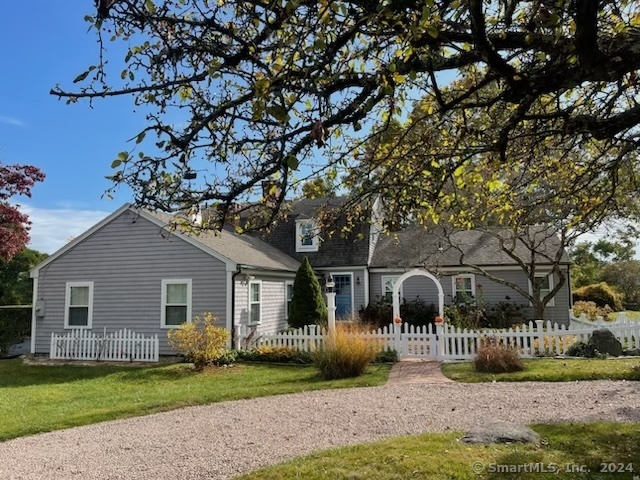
[551, 370]
[442, 456]
[631, 315]
[36, 398]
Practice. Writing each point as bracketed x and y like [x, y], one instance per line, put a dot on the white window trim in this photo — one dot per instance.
[314, 240]
[384, 279]
[454, 290]
[67, 304]
[163, 310]
[552, 302]
[333, 275]
[286, 300]
[259, 283]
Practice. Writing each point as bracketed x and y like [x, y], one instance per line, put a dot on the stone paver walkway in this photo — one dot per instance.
[416, 371]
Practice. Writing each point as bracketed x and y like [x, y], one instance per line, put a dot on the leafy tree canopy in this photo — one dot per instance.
[242, 91]
[14, 225]
[15, 284]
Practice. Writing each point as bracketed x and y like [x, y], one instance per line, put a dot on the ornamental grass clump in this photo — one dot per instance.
[494, 356]
[201, 342]
[346, 353]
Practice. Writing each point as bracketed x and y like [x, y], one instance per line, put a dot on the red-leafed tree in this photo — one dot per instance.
[15, 225]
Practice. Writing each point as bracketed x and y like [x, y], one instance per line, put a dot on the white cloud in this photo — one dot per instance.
[16, 122]
[51, 229]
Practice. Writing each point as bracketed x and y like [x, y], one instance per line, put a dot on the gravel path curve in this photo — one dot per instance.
[222, 440]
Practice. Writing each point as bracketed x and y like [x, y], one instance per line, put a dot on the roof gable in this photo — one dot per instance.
[232, 249]
[339, 249]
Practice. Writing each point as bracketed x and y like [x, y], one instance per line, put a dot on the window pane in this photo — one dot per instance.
[389, 283]
[176, 315]
[177, 293]
[79, 296]
[79, 316]
[543, 282]
[306, 232]
[289, 292]
[463, 284]
[255, 292]
[254, 316]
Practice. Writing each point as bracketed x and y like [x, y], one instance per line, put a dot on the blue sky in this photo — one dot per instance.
[44, 44]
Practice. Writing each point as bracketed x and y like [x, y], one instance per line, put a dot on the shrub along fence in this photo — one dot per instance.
[446, 342]
[582, 320]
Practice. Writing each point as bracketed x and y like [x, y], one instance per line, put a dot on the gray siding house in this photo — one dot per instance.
[133, 271]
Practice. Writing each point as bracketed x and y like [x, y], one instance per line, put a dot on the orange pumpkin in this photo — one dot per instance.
[439, 319]
[397, 320]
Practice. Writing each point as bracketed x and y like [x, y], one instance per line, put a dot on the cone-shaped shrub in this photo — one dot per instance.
[307, 305]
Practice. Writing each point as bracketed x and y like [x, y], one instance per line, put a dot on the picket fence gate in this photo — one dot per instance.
[121, 346]
[446, 342]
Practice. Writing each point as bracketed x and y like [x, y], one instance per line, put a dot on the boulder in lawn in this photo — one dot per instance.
[502, 432]
[605, 342]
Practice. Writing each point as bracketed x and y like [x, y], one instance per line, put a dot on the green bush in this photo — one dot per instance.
[276, 355]
[504, 315]
[414, 312]
[15, 325]
[386, 356]
[465, 316]
[601, 294]
[581, 349]
[201, 342]
[495, 356]
[307, 305]
[345, 353]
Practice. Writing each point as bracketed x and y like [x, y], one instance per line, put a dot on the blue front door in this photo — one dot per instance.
[343, 295]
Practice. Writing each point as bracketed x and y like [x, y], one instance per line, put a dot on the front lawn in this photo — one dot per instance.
[603, 451]
[551, 370]
[37, 398]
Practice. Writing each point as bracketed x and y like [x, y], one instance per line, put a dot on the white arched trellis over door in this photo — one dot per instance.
[413, 273]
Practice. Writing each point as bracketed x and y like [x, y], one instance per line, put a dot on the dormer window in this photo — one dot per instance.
[306, 236]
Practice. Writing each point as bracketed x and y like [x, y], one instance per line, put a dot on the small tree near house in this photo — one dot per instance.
[307, 305]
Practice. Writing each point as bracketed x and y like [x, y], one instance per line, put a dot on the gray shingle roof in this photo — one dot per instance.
[241, 249]
[336, 250]
[417, 246]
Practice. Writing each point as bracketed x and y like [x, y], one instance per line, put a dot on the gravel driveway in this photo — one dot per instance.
[222, 440]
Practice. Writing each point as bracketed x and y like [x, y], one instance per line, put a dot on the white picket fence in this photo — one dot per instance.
[121, 346]
[446, 342]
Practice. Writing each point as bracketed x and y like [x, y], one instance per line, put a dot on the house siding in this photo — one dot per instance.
[127, 259]
[491, 292]
[274, 316]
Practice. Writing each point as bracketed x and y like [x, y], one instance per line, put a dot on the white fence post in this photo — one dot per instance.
[439, 343]
[331, 311]
[540, 334]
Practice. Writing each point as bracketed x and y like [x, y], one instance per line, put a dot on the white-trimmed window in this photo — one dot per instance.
[288, 296]
[176, 303]
[78, 305]
[255, 302]
[388, 282]
[545, 281]
[463, 287]
[306, 236]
